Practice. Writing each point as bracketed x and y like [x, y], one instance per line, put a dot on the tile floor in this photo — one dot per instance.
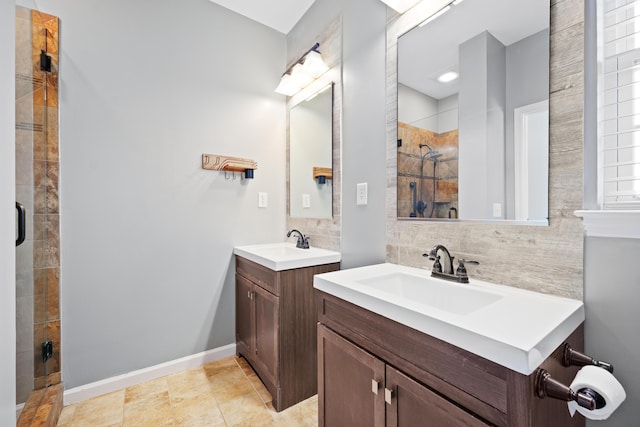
[222, 393]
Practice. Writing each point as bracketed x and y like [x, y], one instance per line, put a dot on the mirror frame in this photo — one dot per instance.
[323, 232]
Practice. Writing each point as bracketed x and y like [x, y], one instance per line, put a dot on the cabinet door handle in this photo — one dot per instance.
[388, 395]
[375, 385]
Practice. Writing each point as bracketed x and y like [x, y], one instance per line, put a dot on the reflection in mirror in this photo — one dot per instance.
[473, 89]
[310, 156]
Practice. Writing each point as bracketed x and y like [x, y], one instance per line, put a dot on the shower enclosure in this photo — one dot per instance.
[37, 207]
[427, 173]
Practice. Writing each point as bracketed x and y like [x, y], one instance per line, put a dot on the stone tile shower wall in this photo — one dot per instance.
[409, 171]
[37, 172]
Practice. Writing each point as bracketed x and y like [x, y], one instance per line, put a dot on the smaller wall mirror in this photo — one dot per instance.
[310, 156]
[473, 88]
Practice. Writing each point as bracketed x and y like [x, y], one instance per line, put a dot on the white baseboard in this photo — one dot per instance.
[88, 391]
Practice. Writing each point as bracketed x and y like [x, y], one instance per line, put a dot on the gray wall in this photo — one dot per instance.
[147, 237]
[481, 106]
[611, 297]
[363, 118]
[527, 82]
[7, 216]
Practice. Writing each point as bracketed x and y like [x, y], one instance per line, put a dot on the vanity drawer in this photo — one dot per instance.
[258, 274]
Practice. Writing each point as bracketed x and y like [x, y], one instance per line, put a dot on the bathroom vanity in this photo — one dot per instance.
[276, 316]
[388, 359]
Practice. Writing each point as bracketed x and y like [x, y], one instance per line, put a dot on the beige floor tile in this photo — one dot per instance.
[201, 411]
[152, 410]
[187, 385]
[101, 411]
[66, 416]
[147, 389]
[246, 410]
[225, 364]
[244, 365]
[228, 385]
[221, 394]
[259, 387]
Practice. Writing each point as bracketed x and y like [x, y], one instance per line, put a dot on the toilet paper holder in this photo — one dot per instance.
[548, 387]
[545, 386]
[572, 357]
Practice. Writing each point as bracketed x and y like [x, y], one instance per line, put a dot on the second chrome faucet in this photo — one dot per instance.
[444, 269]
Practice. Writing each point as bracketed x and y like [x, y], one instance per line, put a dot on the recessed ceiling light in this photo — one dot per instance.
[448, 76]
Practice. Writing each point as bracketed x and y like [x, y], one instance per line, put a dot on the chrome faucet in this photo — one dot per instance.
[303, 241]
[446, 271]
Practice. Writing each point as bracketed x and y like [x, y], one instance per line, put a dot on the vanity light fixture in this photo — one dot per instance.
[447, 77]
[303, 72]
[435, 15]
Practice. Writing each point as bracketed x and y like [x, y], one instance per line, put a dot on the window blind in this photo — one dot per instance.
[619, 103]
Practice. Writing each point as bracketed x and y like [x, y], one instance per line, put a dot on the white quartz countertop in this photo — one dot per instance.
[513, 327]
[285, 255]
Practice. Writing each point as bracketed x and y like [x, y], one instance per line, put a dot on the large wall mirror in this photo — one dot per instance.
[310, 156]
[473, 114]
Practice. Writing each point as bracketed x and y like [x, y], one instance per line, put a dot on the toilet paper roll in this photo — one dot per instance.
[602, 382]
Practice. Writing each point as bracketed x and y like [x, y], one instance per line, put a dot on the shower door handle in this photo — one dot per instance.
[21, 224]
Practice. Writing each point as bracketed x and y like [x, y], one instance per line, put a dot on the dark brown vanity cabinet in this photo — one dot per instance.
[375, 372]
[276, 321]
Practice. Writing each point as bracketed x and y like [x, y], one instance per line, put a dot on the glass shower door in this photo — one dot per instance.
[37, 213]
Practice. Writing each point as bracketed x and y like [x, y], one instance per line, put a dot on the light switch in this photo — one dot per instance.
[262, 200]
[306, 201]
[361, 197]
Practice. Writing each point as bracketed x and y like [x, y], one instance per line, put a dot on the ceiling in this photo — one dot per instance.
[281, 15]
[426, 52]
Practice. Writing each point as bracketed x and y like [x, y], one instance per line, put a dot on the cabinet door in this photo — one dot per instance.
[244, 316]
[350, 384]
[411, 404]
[267, 331]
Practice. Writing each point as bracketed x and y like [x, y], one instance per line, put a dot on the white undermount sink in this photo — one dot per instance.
[285, 255]
[516, 328]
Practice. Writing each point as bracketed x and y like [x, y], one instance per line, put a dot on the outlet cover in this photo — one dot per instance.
[263, 200]
[306, 201]
[361, 197]
[497, 210]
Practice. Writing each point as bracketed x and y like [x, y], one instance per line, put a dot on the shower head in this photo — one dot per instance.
[431, 154]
